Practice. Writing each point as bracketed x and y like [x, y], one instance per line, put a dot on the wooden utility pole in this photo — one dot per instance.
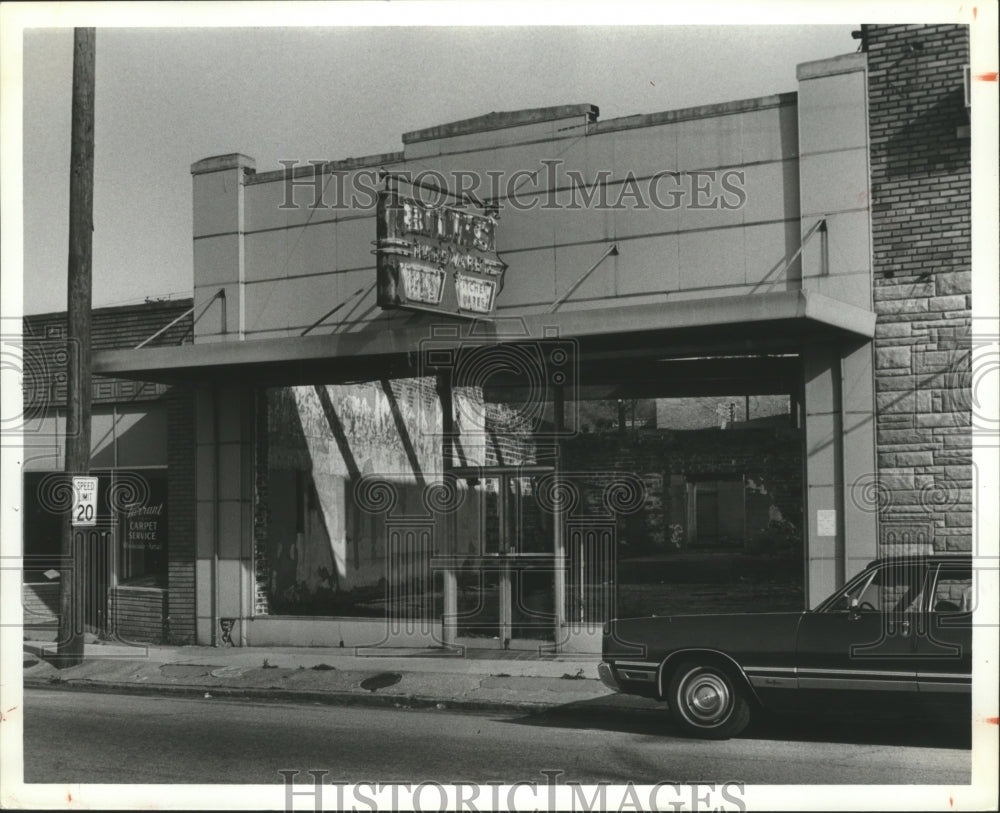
[81, 229]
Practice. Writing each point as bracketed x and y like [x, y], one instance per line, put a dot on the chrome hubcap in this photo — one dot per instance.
[706, 698]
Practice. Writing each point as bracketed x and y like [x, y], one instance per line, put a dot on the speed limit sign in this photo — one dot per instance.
[84, 501]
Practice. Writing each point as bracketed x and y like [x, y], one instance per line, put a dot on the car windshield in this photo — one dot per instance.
[888, 588]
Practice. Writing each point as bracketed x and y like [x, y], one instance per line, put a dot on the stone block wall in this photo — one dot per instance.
[921, 220]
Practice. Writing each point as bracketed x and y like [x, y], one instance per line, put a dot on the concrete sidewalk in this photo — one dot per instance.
[472, 680]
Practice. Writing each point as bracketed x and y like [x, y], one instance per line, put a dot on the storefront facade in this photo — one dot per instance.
[629, 349]
[138, 557]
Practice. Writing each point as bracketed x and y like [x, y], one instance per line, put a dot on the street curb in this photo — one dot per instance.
[370, 699]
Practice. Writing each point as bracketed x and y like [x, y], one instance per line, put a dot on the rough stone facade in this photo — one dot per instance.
[921, 220]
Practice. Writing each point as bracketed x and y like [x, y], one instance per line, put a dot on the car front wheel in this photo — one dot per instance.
[706, 702]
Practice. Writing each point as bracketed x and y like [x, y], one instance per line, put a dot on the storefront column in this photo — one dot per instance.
[219, 223]
[558, 532]
[692, 512]
[224, 569]
[834, 197]
[559, 575]
[206, 433]
[840, 495]
[824, 493]
[862, 493]
[449, 631]
[449, 624]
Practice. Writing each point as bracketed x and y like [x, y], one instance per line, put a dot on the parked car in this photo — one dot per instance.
[898, 635]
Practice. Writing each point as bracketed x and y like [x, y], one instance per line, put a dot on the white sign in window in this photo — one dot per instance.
[826, 522]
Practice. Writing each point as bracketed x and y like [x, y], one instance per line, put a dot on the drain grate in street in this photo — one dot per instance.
[381, 681]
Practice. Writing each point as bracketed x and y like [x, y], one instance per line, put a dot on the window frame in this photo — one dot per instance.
[957, 566]
[864, 580]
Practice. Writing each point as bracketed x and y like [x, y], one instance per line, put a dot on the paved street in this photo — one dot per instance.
[105, 738]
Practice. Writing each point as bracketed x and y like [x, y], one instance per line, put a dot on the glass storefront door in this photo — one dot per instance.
[506, 585]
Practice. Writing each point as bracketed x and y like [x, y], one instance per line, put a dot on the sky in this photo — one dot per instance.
[168, 97]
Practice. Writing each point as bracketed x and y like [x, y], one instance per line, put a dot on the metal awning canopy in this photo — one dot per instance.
[764, 323]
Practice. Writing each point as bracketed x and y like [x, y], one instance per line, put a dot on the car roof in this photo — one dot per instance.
[924, 558]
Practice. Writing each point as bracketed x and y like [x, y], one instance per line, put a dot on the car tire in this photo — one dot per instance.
[707, 702]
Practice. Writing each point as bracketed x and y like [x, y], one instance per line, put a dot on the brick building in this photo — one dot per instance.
[922, 282]
[464, 436]
[141, 573]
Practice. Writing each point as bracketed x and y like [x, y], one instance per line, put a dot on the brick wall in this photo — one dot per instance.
[261, 512]
[120, 327]
[112, 329]
[139, 614]
[180, 624]
[509, 441]
[922, 286]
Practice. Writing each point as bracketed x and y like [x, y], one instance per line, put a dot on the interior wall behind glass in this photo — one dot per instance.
[347, 529]
[716, 524]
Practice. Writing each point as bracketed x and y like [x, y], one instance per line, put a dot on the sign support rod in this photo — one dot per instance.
[612, 251]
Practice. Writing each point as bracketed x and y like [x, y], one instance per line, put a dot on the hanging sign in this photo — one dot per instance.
[436, 258]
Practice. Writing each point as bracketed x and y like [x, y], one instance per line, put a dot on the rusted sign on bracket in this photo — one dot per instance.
[436, 258]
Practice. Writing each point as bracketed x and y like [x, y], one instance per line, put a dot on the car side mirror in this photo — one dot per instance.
[852, 609]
